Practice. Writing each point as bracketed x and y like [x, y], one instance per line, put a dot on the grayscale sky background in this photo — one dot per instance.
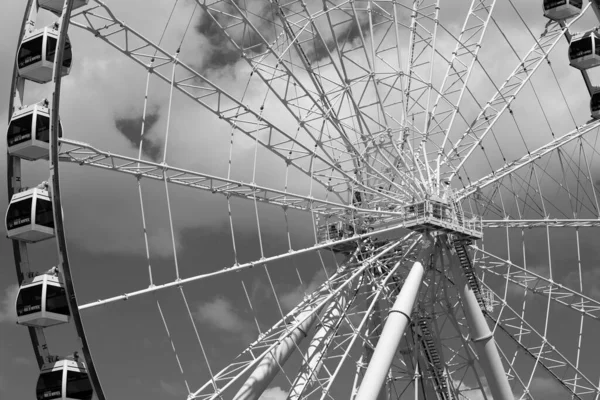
[102, 103]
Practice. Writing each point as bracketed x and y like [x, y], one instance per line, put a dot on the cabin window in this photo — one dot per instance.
[49, 385]
[51, 52]
[42, 128]
[550, 4]
[580, 48]
[30, 52]
[19, 214]
[595, 103]
[29, 300]
[56, 300]
[79, 386]
[19, 130]
[43, 213]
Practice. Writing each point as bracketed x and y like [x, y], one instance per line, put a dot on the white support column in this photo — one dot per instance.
[394, 328]
[375, 328]
[481, 336]
[318, 346]
[268, 368]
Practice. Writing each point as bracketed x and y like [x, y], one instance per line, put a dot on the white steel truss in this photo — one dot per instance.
[543, 351]
[456, 156]
[527, 159]
[85, 154]
[537, 284]
[463, 59]
[320, 166]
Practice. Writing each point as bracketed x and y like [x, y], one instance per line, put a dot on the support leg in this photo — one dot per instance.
[395, 326]
[318, 346]
[481, 335]
[268, 368]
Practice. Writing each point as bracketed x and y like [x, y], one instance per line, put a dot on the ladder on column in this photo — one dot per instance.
[467, 267]
[433, 357]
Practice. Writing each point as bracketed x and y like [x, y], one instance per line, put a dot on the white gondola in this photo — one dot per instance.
[42, 302]
[56, 6]
[595, 104]
[35, 60]
[28, 135]
[559, 10]
[29, 216]
[65, 380]
[584, 50]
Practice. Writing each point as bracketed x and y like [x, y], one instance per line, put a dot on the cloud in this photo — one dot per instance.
[274, 393]
[131, 127]
[161, 242]
[546, 388]
[292, 298]
[173, 389]
[8, 313]
[221, 315]
[219, 52]
[470, 392]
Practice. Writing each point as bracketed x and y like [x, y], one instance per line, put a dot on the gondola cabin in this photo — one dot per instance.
[28, 135]
[42, 302]
[65, 380]
[35, 60]
[559, 10]
[595, 104]
[584, 50]
[29, 217]
[56, 6]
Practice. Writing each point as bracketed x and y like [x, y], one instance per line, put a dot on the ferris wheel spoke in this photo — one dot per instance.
[541, 223]
[456, 156]
[272, 343]
[327, 340]
[527, 159]
[84, 154]
[247, 265]
[342, 136]
[365, 121]
[457, 75]
[386, 285]
[315, 117]
[200, 89]
[541, 350]
[538, 284]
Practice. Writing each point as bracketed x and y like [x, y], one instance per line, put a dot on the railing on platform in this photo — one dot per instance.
[431, 214]
[433, 210]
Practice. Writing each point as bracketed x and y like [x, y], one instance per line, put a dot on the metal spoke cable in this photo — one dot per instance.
[187, 306]
[162, 316]
[142, 133]
[187, 26]
[252, 309]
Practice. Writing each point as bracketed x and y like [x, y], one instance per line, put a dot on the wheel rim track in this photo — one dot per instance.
[13, 183]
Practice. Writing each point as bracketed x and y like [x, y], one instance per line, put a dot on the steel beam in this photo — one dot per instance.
[527, 159]
[270, 365]
[481, 336]
[318, 347]
[502, 99]
[394, 328]
[541, 223]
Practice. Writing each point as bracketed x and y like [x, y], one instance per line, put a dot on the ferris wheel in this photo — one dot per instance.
[408, 188]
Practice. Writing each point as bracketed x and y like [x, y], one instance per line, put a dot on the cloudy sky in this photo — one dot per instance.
[102, 104]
